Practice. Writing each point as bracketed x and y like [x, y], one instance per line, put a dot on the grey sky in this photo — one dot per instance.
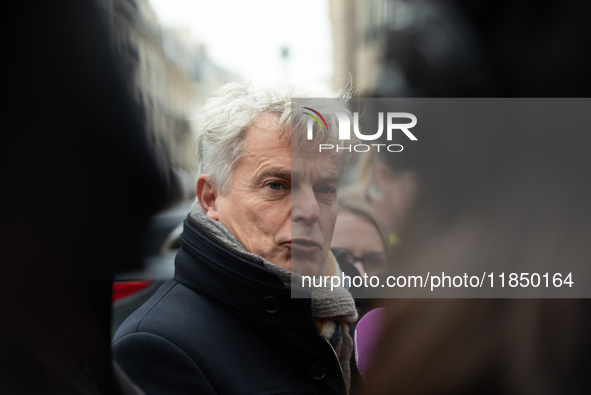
[247, 36]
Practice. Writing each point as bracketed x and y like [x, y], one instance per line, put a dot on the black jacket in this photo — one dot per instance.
[225, 325]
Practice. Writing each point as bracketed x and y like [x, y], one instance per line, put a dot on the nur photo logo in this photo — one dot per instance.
[344, 124]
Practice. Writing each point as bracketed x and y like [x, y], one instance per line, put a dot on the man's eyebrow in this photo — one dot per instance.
[331, 178]
[274, 173]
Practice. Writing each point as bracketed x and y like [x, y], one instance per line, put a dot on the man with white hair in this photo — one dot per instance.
[264, 217]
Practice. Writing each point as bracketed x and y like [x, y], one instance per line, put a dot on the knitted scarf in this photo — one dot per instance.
[333, 310]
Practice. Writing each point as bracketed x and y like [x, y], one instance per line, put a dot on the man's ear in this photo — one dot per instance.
[207, 195]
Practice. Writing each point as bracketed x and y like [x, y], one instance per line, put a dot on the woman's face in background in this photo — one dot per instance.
[362, 241]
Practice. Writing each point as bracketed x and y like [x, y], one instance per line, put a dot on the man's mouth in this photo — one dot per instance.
[304, 246]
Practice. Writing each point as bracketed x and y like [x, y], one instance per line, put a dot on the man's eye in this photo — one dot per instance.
[274, 185]
[324, 189]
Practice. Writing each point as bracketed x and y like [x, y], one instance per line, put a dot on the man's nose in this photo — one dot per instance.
[304, 206]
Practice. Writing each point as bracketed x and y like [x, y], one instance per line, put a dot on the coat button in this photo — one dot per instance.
[318, 371]
[270, 304]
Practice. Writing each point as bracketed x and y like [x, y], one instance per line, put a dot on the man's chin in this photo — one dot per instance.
[306, 265]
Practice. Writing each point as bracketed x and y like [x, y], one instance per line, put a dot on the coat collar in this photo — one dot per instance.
[237, 281]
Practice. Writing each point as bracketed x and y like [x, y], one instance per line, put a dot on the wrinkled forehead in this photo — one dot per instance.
[312, 149]
[308, 164]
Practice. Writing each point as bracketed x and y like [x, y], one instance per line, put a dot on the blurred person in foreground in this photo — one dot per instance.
[520, 199]
[264, 216]
[360, 233]
[512, 213]
[79, 183]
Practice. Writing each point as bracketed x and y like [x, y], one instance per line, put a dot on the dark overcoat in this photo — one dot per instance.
[225, 325]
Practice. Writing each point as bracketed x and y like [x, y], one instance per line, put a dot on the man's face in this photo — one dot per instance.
[280, 207]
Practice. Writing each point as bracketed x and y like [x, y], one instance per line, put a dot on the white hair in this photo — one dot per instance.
[228, 113]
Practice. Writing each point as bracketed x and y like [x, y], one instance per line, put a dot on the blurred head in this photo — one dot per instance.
[397, 190]
[361, 234]
[264, 181]
[390, 186]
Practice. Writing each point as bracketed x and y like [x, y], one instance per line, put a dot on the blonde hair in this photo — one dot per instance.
[355, 204]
